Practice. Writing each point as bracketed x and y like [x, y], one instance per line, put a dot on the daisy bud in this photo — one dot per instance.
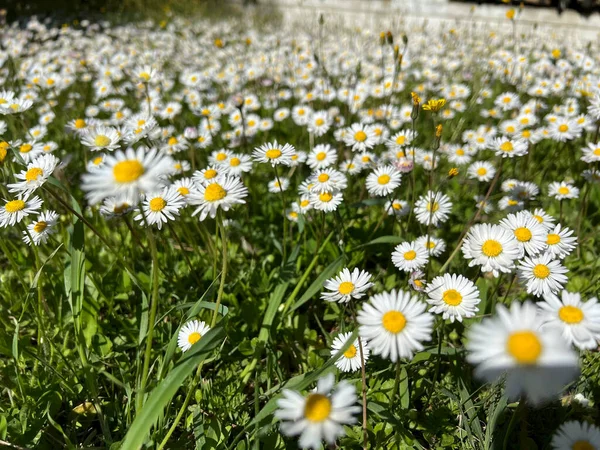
[390, 38]
[452, 172]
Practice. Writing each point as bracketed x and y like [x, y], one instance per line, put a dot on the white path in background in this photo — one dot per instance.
[382, 12]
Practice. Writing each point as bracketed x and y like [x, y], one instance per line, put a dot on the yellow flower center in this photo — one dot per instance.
[33, 174]
[563, 190]
[101, 140]
[552, 239]
[214, 192]
[14, 205]
[563, 128]
[460, 152]
[80, 123]
[346, 288]
[317, 408]
[523, 234]
[304, 203]
[540, 219]
[452, 297]
[400, 140]
[234, 162]
[507, 147]
[128, 171]
[25, 148]
[491, 248]
[145, 76]
[410, 255]
[323, 177]
[274, 153]
[194, 337]
[157, 204]
[183, 190]
[570, 314]
[210, 173]
[321, 156]
[434, 207]
[360, 136]
[541, 271]
[383, 179]
[351, 352]
[39, 227]
[97, 160]
[524, 346]
[481, 171]
[396, 206]
[366, 159]
[221, 157]
[394, 321]
[325, 197]
[319, 122]
[583, 445]
[172, 140]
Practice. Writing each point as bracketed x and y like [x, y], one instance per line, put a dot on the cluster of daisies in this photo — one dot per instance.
[339, 126]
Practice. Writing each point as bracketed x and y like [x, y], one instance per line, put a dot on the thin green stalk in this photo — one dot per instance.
[152, 319]
[223, 270]
[396, 384]
[284, 217]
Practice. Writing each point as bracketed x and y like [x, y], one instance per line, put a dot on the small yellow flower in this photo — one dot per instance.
[434, 105]
[219, 43]
[415, 98]
[452, 172]
[556, 53]
[510, 14]
[438, 131]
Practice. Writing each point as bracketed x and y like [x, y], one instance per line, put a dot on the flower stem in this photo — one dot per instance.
[223, 270]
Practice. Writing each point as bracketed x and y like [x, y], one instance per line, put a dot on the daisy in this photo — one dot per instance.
[383, 181]
[219, 157]
[278, 185]
[319, 123]
[274, 153]
[321, 157]
[129, 173]
[578, 321]
[399, 208]
[320, 415]
[574, 435]
[542, 274]
[327, 180]
[408, 256]
[347, 286]
[591, 153]
[400, 140]
[528, 232]
[453, 296]
[481, 170]
[327, 201]
[36, 174]
[239, 164]
[116, 207]
[13, 211]
[395, 324]
[29, 150]
[360, 137]
[417, 281]
[433, 208]
[160, 207]
[564, 129]
[508, 148]
[39, 231]
[545, 219]
[537, 363]
[138, 127]
[562, 190]
[434, 246]
[185, 186]
[350, 361]
[205, 176]
[560, 241]
[492, 247]
[191, 333]
[101, 138]
[222, 192]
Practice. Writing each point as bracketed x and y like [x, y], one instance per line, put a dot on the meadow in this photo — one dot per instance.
[233, 235]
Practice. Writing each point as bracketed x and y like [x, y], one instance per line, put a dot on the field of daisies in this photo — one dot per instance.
[218, 236]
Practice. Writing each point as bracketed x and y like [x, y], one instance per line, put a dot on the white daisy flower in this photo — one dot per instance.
[13, 211]
[528, 232]
[36, 174]
[409, 256]
[399, 208]
[327, 201]
[222, 192]
[185, 186]
[574, 435]
[481, 170]
[453, 296]
[326, 180]
[100, 138]
[542, 274]
[160, 207]
[545, 219]
[492, 247]
[207, 175]
[395, 324]
[274, 153]
[508, 148]
[347, 286]
[239, 164]
[536, 363]
[434, 208]
[43, 226]
[350, 361]
[278, 185]
[434, 246]
[128, 173]
[322, 156]
[578, 321]
[591, 153]
[360, 137]
[320, 415]
[560, 241]
[220, 157]
[383, 181]
[562, 190]
[116, 206]
[191, 333]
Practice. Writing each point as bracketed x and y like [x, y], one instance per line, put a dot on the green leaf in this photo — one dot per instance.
[492, 422]
[163, 393]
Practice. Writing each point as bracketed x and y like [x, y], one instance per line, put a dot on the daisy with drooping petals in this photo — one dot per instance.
[350, 361]
[383, 181]
[274, 153]
[320, 415]
[574, 435]
[43, 226]
[492, 247]
[560, 241]
[434, 208]
[453, 296]
[409, 256]
[395, 324]
[13, 211]
[128, 173]
[578, 321]
[528, 232]
[538, 363]
[347, 286]
[542, 274]
[222, 192]
[160, 207]
[191, 333]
